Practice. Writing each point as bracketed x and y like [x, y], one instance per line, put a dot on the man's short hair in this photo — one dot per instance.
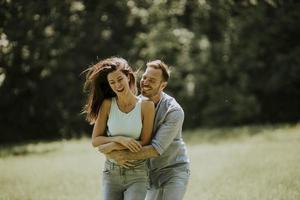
[158, 64]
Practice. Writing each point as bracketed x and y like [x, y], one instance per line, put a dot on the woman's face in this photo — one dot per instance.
[118, 82]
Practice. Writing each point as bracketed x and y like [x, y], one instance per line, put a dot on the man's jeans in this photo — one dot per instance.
[128, 184]
[169, 186]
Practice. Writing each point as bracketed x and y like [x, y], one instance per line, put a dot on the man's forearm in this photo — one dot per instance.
[145, 153]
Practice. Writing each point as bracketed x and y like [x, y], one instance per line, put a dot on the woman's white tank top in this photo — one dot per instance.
[125, 124]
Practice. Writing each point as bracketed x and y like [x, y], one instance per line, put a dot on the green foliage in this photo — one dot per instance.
[267, 50]
[47, 46]
[39, 77]
[233, 62]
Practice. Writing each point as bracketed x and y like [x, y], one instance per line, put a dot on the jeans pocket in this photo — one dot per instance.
[107, 168]
[189, 172]
[106, 171]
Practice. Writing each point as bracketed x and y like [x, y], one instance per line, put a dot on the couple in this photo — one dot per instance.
[141, 136]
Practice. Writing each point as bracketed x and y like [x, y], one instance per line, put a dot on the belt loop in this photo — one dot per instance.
[120, 171]
[111, 165]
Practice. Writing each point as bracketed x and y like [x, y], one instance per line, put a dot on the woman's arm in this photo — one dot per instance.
[109, 147]
[99, 137]
[148, 112]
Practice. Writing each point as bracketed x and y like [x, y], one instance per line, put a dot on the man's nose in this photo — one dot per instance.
[145, 82]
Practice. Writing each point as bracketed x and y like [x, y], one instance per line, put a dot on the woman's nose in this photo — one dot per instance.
[118, 85]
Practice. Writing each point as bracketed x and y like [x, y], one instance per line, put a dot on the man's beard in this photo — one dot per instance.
[152, 92]
[146, 94]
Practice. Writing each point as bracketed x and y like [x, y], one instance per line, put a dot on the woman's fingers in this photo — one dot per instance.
[135, 146]
[131, 144]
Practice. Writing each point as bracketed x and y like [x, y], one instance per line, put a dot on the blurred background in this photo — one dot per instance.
[233, 62]
[235, 71]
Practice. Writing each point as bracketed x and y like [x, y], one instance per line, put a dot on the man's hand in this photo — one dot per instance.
[108, 148]
[125, 163]
[145, 153]
[120, 158]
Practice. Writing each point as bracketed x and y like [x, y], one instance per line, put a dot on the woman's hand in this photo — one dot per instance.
[130, 143]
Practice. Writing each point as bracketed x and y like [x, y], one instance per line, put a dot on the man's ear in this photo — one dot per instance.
[129, 78]
[164, 85]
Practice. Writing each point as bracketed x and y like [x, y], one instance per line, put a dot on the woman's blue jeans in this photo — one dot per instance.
[120, 183]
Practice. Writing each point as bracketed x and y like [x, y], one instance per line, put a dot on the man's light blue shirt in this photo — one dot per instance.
[167, 139]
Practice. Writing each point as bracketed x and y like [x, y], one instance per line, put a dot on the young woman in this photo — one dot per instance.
[121, 121]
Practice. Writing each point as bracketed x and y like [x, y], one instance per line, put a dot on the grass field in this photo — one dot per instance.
[246, 163]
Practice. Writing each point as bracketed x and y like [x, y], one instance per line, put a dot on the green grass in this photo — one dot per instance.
[245, 163]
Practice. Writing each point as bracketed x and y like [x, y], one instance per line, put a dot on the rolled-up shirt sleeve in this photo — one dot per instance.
[168, 130]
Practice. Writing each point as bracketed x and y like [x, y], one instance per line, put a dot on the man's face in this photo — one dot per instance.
[152, 83]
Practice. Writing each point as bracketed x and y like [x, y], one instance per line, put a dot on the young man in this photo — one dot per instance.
[168, 163]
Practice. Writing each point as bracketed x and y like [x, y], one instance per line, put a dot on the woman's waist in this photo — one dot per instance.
[137, 164]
